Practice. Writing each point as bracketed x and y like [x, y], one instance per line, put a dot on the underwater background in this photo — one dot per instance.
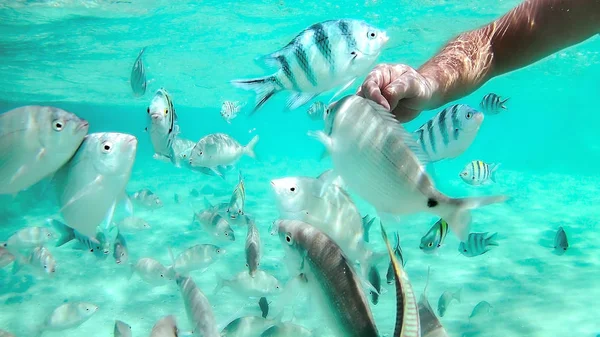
[77, 55]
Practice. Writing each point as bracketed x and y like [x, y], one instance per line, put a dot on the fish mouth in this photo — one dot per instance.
[83, 125]
[384, 38]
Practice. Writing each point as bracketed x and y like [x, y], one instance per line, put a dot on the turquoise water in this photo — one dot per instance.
[77, 55]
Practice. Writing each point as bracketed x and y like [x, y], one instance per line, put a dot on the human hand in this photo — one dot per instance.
[398, 88]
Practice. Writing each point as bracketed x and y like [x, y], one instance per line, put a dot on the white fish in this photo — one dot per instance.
[68, 316]
[181, 150]
[89, 185]
[137, 79]
[40, 258]
[561, 243]
[120, 252]
[492, 104]
[197, 257]
[449, 133]
[380, 161]
[122, 329]
[27, 238]
[323, 56]
[152, 271]
[220, 150]
[253, 248]
[445, 300]
[199, 311]
[230, 110]
[35, 141]
[147, 199]
[238, 199]
[261, 284]
[477, 244]
[478, 173]
[6, 257]
[132, 224]
[214, 224]
[165, 327]
[162, 124]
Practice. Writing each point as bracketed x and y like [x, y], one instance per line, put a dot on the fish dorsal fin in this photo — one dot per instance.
[409, 139]
[423, 300]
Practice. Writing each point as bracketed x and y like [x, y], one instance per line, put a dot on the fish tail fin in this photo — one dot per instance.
[264, 87]
[249, 149]
[456, 295]
[459, 218]
[493, 170]
[367, 222]
[491, 240]
[66, 233]
[504, 102]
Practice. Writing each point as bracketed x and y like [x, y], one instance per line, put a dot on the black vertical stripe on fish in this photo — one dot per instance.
[443, 127]
[473, 169]
[345, 30]
[455, 121]
[287, 71]
[487, 171]
[422, 139]
[304, 65]
[321, 39]
[431, 135]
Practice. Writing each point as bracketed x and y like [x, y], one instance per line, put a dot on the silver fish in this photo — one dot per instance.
[561, 244]
[222, 210]
[331, 276]
[253, 249]
[214, 224]
[6, 257]
[122, 329]
[407, 312]
[477, 244]
[138, 76]
[40, 258]
[162, 125]
[35, 141]
[449, 133]
[287, 329]
[316, 112]
[434, 238]
[248, 326]
[220, 150]
[482, 308]
[230, 110]
[445, 300]
[147, 199]
[492, 104]
[89, 185]
[152, 271]
[120, 252]
[429, 322]
[390, 275]
[261, 284]
[323, 56]
[238, 199]
[68, 316]
[96, 244]
[165, 327]
[264, 306]
[378, 159]
[181, 149]
[198, 308]
[197, 257]
[27, 238]
[477, 173]
[132, 224]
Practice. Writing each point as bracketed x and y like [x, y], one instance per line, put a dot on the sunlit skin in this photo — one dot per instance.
[526, 34]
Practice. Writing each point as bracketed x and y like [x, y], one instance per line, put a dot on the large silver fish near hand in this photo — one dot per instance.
[91, 183]
[381, 162]
[35, 141]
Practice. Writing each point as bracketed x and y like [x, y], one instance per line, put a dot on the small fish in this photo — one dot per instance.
[478, 173]
[120, 252]
[223, 208]
[176, 198]
[194, 193]
[449, 133]
[96, 244]
[375, 280]
[434, 238]
[162, 125]
[492, 104]
[429, 322]
[323, 56]
[220, 150]
[199, 311]
[147, 199]
[317, 110]
[27, 238]
[561, 244]
[253, 249]
[215, 224]
[68, 316]
[248, 326]
[230, 110]
[122, 329]
[482, 308]
[382, 163]
[132, 224]
[238, 199]
[288, 329]
[35, 141]
[477, 244]
[40, 258]
[260, 285]
[180, 151]
[152, 271]
[90, 184]
[6, 257]
[445, 300]
[399, 256]
[138, 76]
[165, 327]
[197, 257]
[264, 306]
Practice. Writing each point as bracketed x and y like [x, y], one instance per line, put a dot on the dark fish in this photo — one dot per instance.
[561, 244]
[194, 193]
[434, 238]
[398, 253]
[176, 198]
[138, 76]
[264, 306]
[375, 280]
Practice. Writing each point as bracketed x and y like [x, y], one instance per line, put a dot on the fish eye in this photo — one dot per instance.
[57, 125]
[465, 250]
[247, 265]
[430, 244]
[166, 111]
[122, 254]
[288, 238]
[472, 178]
[161, 275]
[469, 115]
[293, 189]
[45, 267]
[353, 53]
[106, 147]
[371, 34]
[148, 110]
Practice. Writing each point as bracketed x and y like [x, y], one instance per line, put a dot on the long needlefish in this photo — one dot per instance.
[378, 159]
[253, 248]
[89, 185]
[493, 104]
[199, 311]
[161, 125]
[449, 133]
[407, 312]
[331, 277]
[434, 238]
[322, 57]
[478, 172]
[138, 76]
[429, 322]
[35, 141]
[390, 275]
[218, 150]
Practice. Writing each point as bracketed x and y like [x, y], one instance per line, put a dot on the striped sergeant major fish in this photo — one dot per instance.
[324, 56]
[478, 172]
[477, 244]
[492, 104]
[449, 133]
[435, 237]
[238, 199]
[138, 76]
[407, 312]
[230, 110]
[161, 124]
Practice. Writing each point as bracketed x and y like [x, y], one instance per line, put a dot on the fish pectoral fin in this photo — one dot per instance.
[89, 188]
[298, 99]
[342, 89]
[323, 138]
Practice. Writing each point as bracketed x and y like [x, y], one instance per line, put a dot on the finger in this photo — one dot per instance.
[370, 90]
[395, 92]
